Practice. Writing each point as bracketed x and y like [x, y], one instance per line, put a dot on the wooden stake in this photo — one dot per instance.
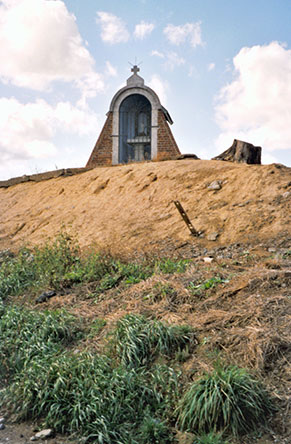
[185, 218]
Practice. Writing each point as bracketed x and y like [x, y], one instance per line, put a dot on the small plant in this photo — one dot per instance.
[96, 327]
[138, 340]
[210, 438]
[210, 283]
[154, 431]
[170, 266]
[128, 273]
[287, 254]
[162, 291]
[227, 400]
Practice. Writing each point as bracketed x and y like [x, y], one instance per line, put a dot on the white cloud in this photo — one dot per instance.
[143, 29]
[211, 66]
[256, 105]
[157, 54]
[27, 130]
[40, 43]
[172, 59]
[160, 87]
[113, 29]
[110, 70]
[180, 34]
[89, 85]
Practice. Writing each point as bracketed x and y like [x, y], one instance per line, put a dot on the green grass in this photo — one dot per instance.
[84, 393]
[127, 393]
[26, 334]
[138, 340]
[59, 263]
[80, 392]
[227, 400]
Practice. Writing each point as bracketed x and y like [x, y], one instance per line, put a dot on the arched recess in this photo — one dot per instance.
[116, 103]
[135, 129]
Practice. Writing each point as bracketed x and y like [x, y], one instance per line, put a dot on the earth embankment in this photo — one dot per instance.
[130, 207]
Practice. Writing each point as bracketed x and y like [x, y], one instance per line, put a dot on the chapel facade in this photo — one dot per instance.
[136, 129]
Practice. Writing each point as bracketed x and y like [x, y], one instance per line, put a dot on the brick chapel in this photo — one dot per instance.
[136, 129]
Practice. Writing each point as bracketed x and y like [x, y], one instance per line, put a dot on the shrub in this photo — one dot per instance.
[227, 400]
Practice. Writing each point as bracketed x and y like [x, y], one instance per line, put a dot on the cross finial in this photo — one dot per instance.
[135, 69]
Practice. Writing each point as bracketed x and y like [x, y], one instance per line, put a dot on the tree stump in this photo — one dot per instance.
[241, 152]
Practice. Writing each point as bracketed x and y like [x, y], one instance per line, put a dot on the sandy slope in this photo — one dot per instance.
[130, 207]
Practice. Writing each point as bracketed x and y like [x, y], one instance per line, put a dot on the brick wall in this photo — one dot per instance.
[167, 146]
[102, 152]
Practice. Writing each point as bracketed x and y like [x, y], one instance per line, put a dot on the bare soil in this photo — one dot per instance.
[130, 207]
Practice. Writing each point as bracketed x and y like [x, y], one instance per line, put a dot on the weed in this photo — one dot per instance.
[128, 273]
[210, 438]
[96, 327]
[170, 266]
[287, 254]
[26, 334]
[227, 400]
[210, 283]
[81, 392]
[162, 291]
[85, 393]
[138, 340]
[154, 431]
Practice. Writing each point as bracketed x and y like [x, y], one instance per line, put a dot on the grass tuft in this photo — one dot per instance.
[138, 340]
[227, 400]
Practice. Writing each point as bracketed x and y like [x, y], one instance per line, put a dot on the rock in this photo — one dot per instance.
[45, 296]
[208, 260]
[44, 434]
[2, 419]
[215, 186]
[241, 152]
[286, 194]
[2, 426]
[187, 156]
[212, 236]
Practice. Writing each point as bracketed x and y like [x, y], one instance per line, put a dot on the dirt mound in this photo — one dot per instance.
[130, 207]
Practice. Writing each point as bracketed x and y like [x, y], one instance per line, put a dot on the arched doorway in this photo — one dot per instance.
[134, 129]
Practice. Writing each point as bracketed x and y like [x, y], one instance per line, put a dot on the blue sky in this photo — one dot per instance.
[222, 68]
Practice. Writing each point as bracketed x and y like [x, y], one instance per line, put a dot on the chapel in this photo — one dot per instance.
[136, 129]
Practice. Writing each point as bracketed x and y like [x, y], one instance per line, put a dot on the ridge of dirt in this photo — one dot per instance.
[130, 207]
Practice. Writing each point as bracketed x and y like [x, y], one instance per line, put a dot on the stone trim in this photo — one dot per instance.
[115, 105]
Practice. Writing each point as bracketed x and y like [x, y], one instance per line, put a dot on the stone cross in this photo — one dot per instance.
[135, 69]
